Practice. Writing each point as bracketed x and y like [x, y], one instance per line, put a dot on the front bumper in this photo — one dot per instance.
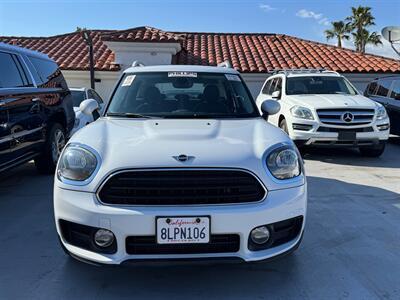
[84, 208]
[312, 132]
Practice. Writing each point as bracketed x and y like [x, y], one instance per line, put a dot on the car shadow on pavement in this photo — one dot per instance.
[351, 248]
[352, 157]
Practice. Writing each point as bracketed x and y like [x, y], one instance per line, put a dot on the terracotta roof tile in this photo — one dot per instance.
[69, 50]
[141, 34]
[252, 52]
[256, 53]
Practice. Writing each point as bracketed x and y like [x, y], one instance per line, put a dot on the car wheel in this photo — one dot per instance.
[373, 151]
[283, 126]
[46, 163]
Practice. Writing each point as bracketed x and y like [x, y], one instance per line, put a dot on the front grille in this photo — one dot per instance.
[331, 129]
[345, 143]
[334, 116]
[147, 245]
[181, 187]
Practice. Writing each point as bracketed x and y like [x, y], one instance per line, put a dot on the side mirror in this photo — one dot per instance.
[276, 95]
[89, 106]
[270, 107]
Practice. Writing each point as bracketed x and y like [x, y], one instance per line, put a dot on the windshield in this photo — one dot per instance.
[77, 97]
[182, 94]
[318, 85]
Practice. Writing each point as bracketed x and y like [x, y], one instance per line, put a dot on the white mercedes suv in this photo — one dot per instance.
[322, 108]
[181, 165]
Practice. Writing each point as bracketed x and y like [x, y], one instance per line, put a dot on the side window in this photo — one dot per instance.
[92, 94]
[266, 87]
[395, 94]
[12, 73]
[278, 86]
[272, 86]
[371, 89]
[47, 69]
[383, 88]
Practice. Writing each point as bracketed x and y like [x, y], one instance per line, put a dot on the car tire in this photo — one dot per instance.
[283, 126]
[373, 151]
[55, 141]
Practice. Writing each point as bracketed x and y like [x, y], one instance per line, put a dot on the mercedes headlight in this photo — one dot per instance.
[284, 163]
[301, 112]
[381, 113]
[76, 163]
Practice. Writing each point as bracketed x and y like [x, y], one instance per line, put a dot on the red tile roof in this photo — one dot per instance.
[254, 53]
[248, 52]
[69, 50]
[142, 34]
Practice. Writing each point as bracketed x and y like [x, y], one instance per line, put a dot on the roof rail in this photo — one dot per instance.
[137, 63]
[288, 71]
[225, 64]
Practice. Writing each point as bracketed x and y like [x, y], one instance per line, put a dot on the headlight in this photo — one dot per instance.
[76, 163]
[301, 112]
[381, 113]
[284, 163]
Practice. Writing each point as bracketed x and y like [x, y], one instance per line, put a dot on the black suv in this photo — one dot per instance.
[386, 90]
[36, 113]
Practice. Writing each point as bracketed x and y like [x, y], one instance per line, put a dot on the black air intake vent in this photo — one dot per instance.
[181, 187]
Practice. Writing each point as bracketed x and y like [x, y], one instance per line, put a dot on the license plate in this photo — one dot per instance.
[183, 230]
[347, 136]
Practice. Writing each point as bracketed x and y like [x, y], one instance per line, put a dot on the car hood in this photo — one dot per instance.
[332, 101]
[153, 143]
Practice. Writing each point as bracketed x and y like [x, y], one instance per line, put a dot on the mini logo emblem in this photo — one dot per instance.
[183, 157]
[347, 117]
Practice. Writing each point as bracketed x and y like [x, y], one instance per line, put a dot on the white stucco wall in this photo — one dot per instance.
[82, 79]
[253, 81]
[148, 53]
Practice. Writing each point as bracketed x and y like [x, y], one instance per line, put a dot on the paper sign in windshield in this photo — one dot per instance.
[232, 77]
[128, 80]
[182, 74]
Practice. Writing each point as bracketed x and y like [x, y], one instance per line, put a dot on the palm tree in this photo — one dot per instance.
[340, 30]
[360, 19]
[363, 38]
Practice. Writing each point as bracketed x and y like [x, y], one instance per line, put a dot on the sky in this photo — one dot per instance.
[304, 19]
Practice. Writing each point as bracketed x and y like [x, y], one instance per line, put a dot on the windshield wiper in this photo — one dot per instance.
[128, 115]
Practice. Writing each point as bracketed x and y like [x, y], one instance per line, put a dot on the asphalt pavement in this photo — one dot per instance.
[351, 247]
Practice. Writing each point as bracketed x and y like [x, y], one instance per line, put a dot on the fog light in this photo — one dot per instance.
[103, 238]
[260, 235]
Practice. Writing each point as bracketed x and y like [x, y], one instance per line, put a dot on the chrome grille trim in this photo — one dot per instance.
[334, 116]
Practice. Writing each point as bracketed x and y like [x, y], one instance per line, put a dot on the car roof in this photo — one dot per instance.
[327, 74]
[394, 77]
[78, 89]
[16, 49]
[181, 68]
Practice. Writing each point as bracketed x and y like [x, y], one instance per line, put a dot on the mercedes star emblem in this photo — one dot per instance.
[347, 117]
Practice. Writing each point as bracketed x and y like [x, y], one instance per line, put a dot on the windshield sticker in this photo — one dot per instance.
[232, 77]
[182, 74]
[128, 80]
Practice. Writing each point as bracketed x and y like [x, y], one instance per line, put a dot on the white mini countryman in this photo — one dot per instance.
[181, 165]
